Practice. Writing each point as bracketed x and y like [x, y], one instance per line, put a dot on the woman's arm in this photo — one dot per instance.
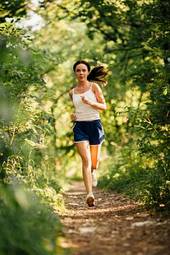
[73, 115]
[71, 94]
[100, 104]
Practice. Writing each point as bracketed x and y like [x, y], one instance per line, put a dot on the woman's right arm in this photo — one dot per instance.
[71, 94]
[73, 115]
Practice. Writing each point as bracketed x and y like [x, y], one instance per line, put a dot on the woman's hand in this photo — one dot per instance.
[86, 101]
[73, 117]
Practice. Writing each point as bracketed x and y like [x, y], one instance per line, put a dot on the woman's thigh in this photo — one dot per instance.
[83, 149]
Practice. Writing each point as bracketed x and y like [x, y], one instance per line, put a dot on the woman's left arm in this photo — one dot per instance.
[100, 104]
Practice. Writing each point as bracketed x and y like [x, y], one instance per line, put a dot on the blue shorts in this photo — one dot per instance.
[91, 131]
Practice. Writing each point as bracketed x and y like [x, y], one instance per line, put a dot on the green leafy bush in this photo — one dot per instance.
[27, 227]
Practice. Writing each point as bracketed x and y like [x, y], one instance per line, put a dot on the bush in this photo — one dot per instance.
[27, 227]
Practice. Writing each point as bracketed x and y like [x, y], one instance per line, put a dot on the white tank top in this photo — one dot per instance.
[85, 112]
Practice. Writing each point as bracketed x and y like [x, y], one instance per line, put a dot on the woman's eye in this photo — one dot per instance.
[83, 70]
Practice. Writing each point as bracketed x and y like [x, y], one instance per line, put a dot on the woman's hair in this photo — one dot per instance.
[98, 73]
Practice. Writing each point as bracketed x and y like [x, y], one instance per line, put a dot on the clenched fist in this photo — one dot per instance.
[73, 116]
[86, 101]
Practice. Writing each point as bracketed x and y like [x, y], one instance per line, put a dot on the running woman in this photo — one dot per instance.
[88, 131]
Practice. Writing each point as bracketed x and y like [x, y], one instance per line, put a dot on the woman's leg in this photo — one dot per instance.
[95, 155]
[84, 151]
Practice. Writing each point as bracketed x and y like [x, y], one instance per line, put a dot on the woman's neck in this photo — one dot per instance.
[83, 83]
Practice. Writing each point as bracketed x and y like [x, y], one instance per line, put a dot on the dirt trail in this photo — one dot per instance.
[115, 226]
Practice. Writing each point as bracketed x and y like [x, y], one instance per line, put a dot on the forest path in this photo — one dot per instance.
[115, 226]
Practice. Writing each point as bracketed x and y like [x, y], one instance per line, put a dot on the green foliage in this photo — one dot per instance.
[12, 8]
[24, 127]
[27, 227]
[27, 146]
[135, 39]
[36, 147]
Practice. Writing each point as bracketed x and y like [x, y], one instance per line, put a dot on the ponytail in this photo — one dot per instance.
[98, 73]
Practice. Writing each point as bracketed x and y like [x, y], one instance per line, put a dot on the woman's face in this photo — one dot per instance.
[81, 72]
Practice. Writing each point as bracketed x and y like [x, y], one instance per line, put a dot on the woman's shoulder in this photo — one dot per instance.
[70, 92]
[95, 87]
[72, 89]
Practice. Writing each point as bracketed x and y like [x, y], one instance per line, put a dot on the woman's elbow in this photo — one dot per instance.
[104, 107]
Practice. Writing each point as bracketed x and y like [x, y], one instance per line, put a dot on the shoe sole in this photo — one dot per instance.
[90, 201]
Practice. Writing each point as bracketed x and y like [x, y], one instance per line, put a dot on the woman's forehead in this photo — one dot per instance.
[81, 66]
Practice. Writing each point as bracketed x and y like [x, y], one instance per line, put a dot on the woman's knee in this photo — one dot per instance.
[86, 161]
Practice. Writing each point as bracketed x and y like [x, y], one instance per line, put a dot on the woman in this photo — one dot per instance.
[88, 100]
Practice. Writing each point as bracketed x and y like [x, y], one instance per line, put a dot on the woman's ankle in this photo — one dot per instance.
[93, 170]
[90, 193]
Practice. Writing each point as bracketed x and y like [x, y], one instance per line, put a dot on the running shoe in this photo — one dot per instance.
[90, 200]
[94, 178]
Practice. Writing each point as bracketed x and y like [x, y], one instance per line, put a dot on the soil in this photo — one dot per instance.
[115, 226]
